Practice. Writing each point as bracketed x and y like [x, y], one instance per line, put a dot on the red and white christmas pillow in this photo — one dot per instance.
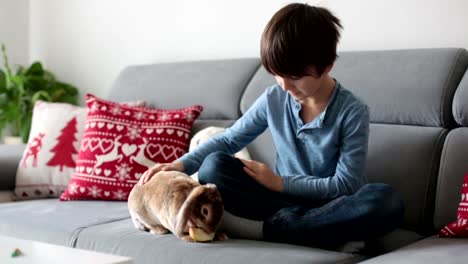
[122, 142]
[459, 228]
[48, 161]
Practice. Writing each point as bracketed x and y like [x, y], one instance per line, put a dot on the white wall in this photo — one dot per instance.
[402, 24]
[87, 42]
[14, 31]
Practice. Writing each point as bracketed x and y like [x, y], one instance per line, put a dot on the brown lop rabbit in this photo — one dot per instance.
[172, 201]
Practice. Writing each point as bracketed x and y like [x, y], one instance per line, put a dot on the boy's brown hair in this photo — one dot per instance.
[300, 38]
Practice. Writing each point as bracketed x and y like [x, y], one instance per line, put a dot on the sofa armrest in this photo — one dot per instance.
[10, 156]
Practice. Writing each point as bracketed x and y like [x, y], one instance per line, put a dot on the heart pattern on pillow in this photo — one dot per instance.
[120, 143]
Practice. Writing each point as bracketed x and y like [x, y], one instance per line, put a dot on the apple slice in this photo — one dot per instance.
[199, 235]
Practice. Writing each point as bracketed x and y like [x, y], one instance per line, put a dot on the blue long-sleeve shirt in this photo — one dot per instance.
[323, 159]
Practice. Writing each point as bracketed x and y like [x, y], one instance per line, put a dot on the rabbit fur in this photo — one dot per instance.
[172, 201]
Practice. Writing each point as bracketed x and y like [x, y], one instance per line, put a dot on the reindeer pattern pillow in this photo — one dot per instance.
[120, 143]
[48, 161]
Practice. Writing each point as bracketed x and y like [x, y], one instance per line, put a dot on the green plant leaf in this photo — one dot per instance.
[37, 83]
[41, 95]
[48, 76]
[25, 127]
[2, 82]
[10, 113]
[20, 91]
[20, 71]
[64, 92]
[69, 99]
[6, 64]
[3, 113]
[3, 125]
[35, 69]
[17, 83]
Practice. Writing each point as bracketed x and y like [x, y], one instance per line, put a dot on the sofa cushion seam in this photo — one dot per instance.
[426, 203]
[76, 233]
[241, 97]
[445, 89]
[441, 172]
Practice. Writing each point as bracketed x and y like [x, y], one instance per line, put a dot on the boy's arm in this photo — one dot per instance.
[350, 170]
[236, 137]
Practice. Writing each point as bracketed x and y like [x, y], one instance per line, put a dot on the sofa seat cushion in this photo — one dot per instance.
[394, 240]
[52, 221]
[121, 238]
[426, 251]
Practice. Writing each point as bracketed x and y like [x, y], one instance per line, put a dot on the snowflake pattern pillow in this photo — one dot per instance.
[459, 228]
[121, 142]
[48, 161]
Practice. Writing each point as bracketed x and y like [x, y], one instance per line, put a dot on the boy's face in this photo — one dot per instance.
[305, 87]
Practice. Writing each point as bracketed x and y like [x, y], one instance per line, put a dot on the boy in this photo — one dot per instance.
[317, 194]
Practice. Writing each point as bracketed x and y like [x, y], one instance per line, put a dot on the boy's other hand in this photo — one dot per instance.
[174, 166]
[263, 175]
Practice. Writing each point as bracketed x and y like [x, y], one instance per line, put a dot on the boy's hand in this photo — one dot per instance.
[174, 166]
[263, 175]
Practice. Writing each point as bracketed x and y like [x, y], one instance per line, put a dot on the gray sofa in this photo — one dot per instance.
[418, 144]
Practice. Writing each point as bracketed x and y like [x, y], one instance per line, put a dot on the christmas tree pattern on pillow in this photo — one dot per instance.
[48, 160]
[64, 149]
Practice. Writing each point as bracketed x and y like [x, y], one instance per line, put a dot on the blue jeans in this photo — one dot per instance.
[372, 211]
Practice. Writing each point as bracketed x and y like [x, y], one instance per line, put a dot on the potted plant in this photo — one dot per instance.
[20, 91]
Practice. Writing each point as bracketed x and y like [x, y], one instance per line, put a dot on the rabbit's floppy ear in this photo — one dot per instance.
[186, 209]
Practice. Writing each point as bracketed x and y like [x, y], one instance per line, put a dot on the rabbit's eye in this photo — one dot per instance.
[205, 211]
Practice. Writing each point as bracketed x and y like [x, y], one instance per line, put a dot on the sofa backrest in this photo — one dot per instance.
[454, 162]
[216, 85]
[410, 94]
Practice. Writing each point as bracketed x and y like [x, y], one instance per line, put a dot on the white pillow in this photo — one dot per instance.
[48, 161]
[207, 133]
